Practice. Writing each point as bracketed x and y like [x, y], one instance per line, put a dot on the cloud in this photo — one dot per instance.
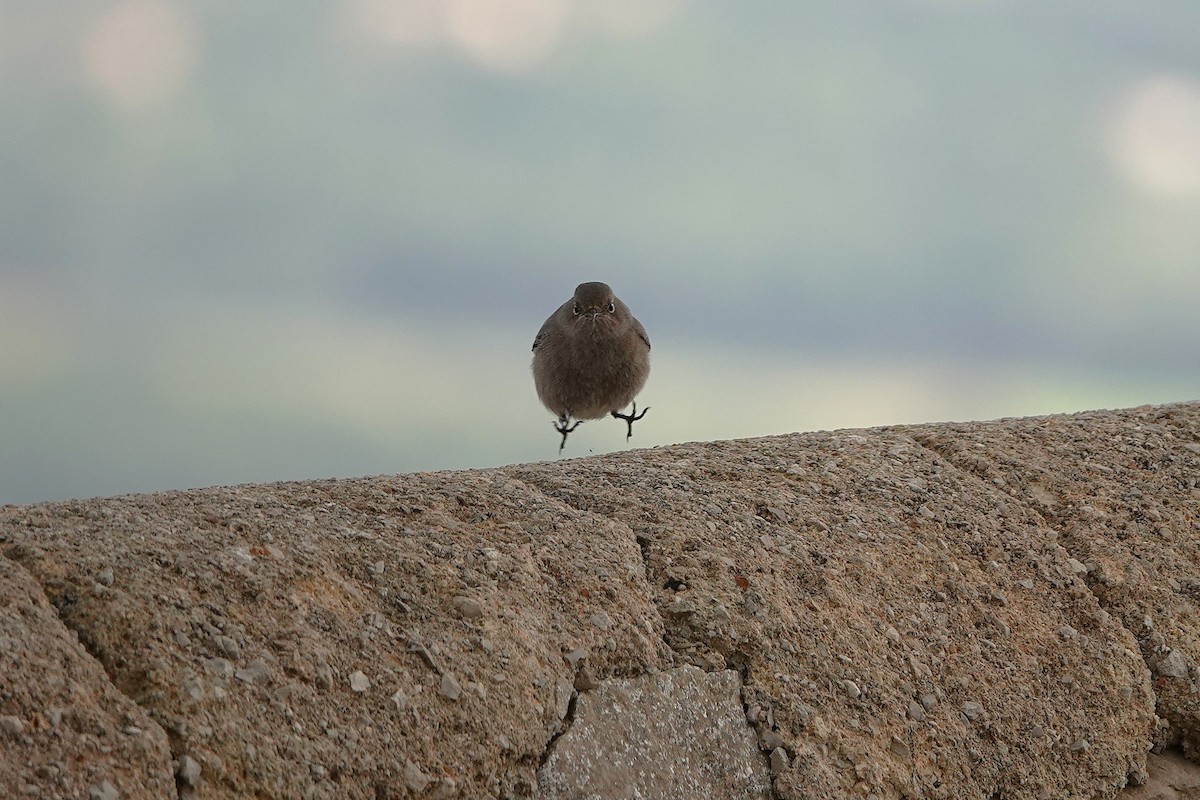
[141, 52]
[508, 35]
[1155, 136]
[512, 36]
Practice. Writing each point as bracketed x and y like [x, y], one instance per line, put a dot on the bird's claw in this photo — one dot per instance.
[630, 418]
[561, 427]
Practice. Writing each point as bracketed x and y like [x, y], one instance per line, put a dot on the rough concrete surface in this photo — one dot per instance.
[986, 610]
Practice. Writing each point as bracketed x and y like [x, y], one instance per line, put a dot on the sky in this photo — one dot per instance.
[290, 240]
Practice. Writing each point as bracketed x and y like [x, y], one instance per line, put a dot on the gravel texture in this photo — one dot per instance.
[1001, 609]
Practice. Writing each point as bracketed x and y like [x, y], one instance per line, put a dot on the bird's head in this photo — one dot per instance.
[595, 303]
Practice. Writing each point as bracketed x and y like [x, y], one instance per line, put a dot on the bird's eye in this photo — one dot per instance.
[612, 307]
[575, 309]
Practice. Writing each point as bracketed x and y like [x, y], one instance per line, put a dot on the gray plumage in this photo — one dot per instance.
[590, 359]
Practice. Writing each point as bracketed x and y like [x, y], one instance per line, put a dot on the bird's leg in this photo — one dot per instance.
[561, 427]
[631, 418]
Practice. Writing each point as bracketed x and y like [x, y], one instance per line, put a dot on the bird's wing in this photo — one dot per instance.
[641, 332]
[541, 334]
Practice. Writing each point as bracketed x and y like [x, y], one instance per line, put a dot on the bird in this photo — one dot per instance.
[590, 359]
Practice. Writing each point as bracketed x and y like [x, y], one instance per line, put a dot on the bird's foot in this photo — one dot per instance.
[561, 427]
[631, 418]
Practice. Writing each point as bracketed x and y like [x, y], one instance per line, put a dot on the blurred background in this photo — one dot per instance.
[248, 242]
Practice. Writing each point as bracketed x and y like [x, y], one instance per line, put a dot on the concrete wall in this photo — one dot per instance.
[983, 610]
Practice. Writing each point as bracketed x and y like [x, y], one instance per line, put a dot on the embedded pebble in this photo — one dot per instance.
[916, 712]
[359, 682]
[971, 710]
[601, 620]
[105, 791]
[228, 646]
[469, 607]
[219, 667]
[1172, 665]
[445, 789]
[779, 761]
[324, 675]
[13, 726]
[188, 770]
[770, 740]
[585, 681]
[851, 689]
[414, 778]
[450, 688]
[256, 670]
[105, 577]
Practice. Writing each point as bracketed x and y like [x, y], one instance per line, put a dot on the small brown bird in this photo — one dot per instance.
[590, 359]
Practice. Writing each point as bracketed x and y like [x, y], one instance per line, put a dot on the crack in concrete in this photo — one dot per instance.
[642, 541]
[564, 727]
[89, 646]
[569, 719]
[734, 660]
[743, 670]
